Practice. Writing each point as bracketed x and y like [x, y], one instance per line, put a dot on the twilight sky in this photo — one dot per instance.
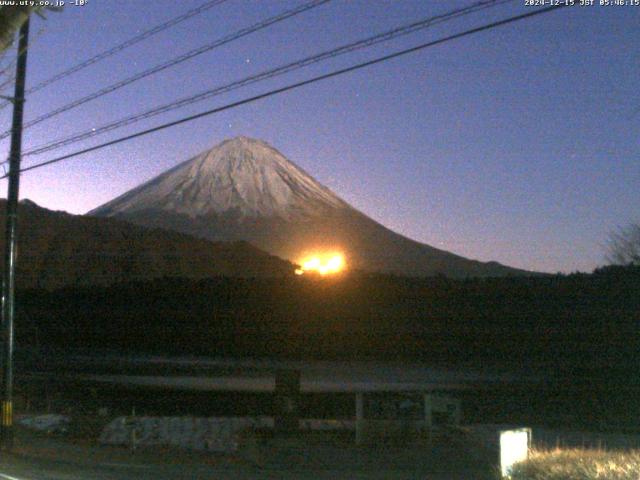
[520, 144]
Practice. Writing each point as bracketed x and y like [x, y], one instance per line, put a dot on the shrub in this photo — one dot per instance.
[579, 464]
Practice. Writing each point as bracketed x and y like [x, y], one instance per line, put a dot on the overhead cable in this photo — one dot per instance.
[296, 85]
[267, 74]
[175, 61]
[124, 45]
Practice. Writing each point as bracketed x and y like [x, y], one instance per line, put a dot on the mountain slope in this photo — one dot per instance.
[242, 177]
[57, 249]
[244, 189]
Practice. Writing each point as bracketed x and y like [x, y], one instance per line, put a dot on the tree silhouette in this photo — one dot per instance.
[624, 246]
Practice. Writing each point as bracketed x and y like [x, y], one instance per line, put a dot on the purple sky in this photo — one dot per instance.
[519, 145]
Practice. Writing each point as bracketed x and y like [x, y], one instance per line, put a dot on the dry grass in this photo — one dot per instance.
[579, 464]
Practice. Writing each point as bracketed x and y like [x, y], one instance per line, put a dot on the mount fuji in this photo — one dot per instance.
[244, 189]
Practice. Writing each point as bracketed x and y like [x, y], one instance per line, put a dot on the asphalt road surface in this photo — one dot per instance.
[37, 456]
[14, 467]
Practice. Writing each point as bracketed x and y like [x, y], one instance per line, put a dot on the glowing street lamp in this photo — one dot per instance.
[322, 264]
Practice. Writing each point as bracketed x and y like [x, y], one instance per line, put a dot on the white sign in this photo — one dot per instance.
[514, 447]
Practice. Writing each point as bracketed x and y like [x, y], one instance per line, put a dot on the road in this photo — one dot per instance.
[38, 456]
[21, 468]
[33, 471]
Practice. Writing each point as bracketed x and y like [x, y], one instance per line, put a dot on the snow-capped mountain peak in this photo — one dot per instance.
[241, 176]
[244, 189]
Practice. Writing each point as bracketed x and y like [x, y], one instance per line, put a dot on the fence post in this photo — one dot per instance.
[286, 401]
[359, 417]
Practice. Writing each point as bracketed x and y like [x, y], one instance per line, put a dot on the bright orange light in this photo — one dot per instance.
[322, 264]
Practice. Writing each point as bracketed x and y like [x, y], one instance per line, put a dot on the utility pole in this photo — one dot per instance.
[10, 253]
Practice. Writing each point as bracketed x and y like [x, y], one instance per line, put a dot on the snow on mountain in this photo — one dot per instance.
[245, 176]
[244, 189]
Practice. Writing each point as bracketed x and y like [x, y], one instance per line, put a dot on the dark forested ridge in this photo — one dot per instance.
[57, 249]
[587, 320]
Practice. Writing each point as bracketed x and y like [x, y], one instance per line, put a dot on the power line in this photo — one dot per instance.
[7, 69]
[124, 45]
[283, 69]
[175, 61]
[10, 67]
[296, 85]
[7, 81]
[379, 38]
